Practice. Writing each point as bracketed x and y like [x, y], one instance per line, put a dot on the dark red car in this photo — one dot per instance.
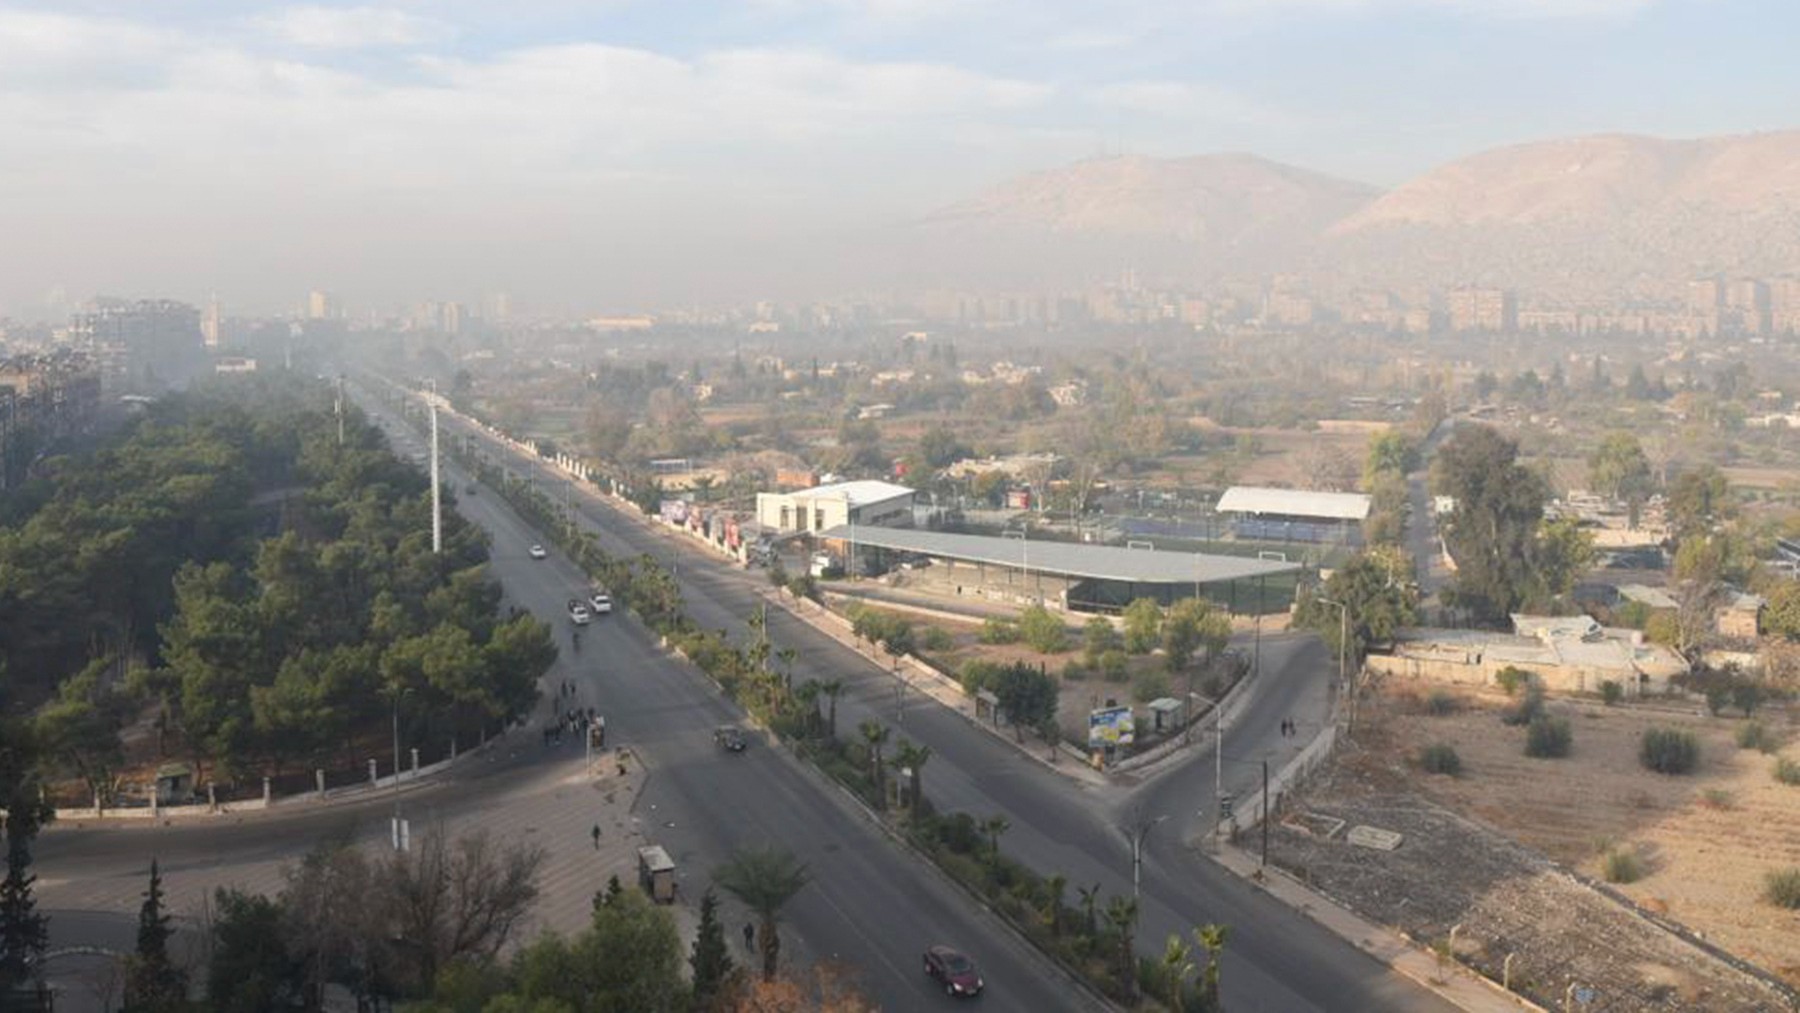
[953, 970]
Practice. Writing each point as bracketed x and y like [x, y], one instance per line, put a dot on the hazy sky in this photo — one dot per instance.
[631, 153]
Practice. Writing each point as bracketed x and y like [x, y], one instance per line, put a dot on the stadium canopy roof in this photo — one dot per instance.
[1336, 506]
[1069, 559]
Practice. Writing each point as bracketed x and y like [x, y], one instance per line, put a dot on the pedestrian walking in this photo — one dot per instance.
[596, 837]
[749, 936]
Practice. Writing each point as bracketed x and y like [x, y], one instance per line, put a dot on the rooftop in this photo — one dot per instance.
[860, 493]
[1337, 506]
[1073, 559]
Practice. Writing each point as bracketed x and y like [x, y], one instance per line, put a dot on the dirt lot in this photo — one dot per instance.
[1511, 825]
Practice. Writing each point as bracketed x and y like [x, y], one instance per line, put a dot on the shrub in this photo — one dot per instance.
[1043, 631]
[1510, 679]
[937, 639]
[1717, 696]
[1440, 759]
[1115, 666]
[1622, 866]
[1611, 692]
[1781, 887]
[1442, 703]
[1150, 684]
[999, 631]
[1787, 771]
[1757, 736]
[977, 675]
[1099, 636]
[1529, 706]
[1075, 671]
[1669, 751]
[1717, 798]
[1548, 737]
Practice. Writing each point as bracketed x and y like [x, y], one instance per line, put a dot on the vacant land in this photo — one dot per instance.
[1705, 841]
[1490, 852]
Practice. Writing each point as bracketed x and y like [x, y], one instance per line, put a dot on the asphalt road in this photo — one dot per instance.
[869, 904]
[1276, 960]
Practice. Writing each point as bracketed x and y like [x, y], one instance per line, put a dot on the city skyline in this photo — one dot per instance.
[641, 154]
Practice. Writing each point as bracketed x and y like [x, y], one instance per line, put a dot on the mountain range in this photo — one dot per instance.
[1571, 219]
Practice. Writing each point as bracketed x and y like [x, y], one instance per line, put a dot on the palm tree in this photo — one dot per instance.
[1056, 885]
[831, 688]
[1212, 937]
[1175, 967]
[765, 879]
[1090, 900]
[808, 695]
[913, 756]
[875, 735]
[786, 656]
[1121, 916]
[994, 826]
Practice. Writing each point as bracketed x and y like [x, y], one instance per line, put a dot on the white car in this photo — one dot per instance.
[537, 552]
[579, 614]
[602, 603]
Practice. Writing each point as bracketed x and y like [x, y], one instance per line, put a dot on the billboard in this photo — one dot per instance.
[1111, 726]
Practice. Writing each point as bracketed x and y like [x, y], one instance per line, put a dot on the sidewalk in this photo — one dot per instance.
[1459, 986]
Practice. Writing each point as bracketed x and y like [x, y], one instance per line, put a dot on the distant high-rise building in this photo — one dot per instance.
[1495, 310]
[1747, 306]
[210, 323]
[1706, 304]
[321, 305]
[453, 318]
[1784, 305]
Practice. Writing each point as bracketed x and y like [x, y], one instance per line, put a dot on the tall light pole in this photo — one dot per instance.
[1135, 831]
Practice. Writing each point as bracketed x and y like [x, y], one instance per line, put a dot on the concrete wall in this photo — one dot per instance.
[1480, 671]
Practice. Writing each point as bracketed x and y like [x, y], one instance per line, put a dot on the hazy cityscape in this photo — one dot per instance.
[850, 505]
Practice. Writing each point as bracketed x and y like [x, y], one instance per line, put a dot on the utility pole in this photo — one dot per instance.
[1265, 813]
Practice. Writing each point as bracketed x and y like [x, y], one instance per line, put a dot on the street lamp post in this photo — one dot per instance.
[1135, 832]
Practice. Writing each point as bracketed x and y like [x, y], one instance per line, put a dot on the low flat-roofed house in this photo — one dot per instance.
[1567, 654]
[869, 502]
[1741, 616]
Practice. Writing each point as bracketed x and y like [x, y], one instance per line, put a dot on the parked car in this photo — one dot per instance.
[602, 603]
[537, 552]
[579, 614]
[953, 970]
[730, 738]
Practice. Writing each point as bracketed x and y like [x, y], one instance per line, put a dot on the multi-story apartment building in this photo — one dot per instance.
[143, 346]
[43, 399]
[1495, 310]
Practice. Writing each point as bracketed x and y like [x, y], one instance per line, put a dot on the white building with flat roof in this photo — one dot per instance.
[828, 506]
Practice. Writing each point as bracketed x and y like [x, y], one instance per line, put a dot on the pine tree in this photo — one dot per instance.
[711, 958]
[153, 984]
[23, 931]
